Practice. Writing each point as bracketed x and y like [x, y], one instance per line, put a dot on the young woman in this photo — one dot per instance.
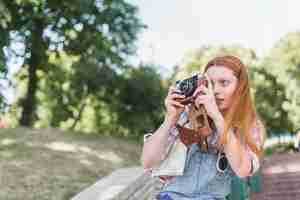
[237, 134]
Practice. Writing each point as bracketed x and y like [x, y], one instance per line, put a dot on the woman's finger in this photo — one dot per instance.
[198, 91]
[205, 90]
[209, 84]
[171, 90]
[175, 103]
[201, 90]
[176, 96]
[199, 102]
[202, 99]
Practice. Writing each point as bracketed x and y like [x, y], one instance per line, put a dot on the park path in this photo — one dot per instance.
[281, 178]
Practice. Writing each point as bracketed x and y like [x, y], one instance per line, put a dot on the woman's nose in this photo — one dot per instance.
[217, 89]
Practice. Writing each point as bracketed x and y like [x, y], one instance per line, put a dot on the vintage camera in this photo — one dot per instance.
[203, 129]
[188, 86]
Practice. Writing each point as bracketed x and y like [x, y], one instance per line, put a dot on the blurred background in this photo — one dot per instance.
[82, 81]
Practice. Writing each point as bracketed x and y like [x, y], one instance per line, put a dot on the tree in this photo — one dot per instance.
[140, 100]
[195, 60]
[99, 32]
[74, 99]
[282, 68]
[269, 97]
[3, 69]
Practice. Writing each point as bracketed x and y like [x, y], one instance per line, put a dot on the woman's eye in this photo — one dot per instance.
[225, 82]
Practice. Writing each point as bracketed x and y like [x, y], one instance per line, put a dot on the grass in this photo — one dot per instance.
[51, 164]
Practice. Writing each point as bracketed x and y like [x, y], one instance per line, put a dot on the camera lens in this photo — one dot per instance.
[184, 86]
[187, 86]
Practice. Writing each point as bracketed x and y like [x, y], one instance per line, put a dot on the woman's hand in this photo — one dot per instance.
[173, 107]
[205, 96]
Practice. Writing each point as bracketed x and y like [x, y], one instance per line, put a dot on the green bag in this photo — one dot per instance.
[239, 189]
[255, 182]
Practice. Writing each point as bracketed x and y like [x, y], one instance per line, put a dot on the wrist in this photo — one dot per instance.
[170, 120]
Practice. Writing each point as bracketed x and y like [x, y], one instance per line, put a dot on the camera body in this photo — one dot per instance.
[188, 86]
[203, 129]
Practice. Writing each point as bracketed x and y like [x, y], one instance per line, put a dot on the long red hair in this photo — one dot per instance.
[242, 114]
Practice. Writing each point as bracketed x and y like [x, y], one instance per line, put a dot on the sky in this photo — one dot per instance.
[177, 26]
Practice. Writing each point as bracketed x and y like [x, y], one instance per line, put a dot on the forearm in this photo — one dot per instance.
[237, 155]
[155, 146]
[234, 150]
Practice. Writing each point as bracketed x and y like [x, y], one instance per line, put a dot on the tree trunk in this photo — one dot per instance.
[78, 117]
[29, 102]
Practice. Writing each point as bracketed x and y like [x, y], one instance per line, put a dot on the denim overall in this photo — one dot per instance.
[200, 181]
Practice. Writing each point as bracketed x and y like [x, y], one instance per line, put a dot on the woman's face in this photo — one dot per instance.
[224, 84]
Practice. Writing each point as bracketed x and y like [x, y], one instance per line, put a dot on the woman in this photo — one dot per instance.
[237, 134]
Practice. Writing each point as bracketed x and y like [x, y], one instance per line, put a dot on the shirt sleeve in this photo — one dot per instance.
[162, 179]
[146, 136]
[173, 133]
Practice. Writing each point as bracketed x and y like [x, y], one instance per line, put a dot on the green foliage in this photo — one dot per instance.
[74, 98]
[269, 97]
[100, 33]
[196, 60]
[140, 100]
[279, 148]
[280, 95]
